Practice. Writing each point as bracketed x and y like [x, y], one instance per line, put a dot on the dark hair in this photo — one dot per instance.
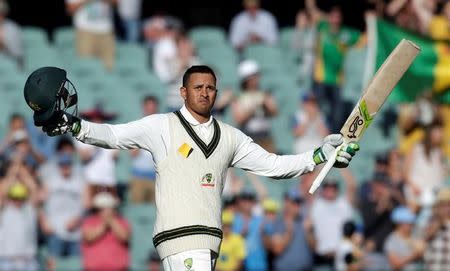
[197, 69]
[150, 98]
[64, 141]
[348, 229]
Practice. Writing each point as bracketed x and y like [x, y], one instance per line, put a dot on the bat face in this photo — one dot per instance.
[378, 90]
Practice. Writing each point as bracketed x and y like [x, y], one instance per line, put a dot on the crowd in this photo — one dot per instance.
[63, 195]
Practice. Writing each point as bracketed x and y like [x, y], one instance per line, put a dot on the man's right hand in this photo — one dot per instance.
[62, 122]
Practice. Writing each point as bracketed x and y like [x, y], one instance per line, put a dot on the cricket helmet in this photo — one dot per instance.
[48, 90]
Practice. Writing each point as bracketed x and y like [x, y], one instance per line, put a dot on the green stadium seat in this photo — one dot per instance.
[69, 263]
[131, 51]
[142, 218]
[64, 38]
[8, 66]
[269, 58]
[207, 36]
[34, 37]
[286, 36]
[85, 67]
[221, 53]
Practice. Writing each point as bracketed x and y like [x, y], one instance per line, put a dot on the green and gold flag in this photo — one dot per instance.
[429, 71]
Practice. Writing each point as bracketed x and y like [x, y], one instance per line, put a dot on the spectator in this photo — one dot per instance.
[376, 208]
[438, 234]
[154, 28]
[154, 262]
[332, 210]
[253, 25]
[18, 220]
[165, 51]
[292, 241]
[130, 13]
[425, 164]
[18, 146]
[184, 58]
[60, 220]
[402, 249]
[143, 172]
[10, 36]
[403, 14]
[349, 254]
[232, 249]
[249, 226]
[270, 209]
[435, 25]
[99, 164]
[16, 123]
[105, 236]
[253, 108]
[93, 21]
[334, 41]
[304, 42]
[310, 128]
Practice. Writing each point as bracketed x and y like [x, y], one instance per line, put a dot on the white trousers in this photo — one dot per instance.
[192, 260]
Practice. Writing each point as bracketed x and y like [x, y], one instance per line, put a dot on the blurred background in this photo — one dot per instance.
[287, 76]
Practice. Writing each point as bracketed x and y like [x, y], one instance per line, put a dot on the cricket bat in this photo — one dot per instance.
[378, 89]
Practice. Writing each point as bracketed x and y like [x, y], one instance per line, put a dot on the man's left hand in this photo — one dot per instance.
[330, 143]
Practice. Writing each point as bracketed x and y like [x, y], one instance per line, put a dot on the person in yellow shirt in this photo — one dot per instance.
[232, 250]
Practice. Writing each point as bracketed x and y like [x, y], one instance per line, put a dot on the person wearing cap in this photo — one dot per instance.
[93, 22]
[105, 236]
[253, 108]
[192, 151]
[11, 43]
[403, 251]
[309, 124]
[233, 247]
[253, 25]
[18, 220]
[437, 234]
[332, 209]
[291, 242]
[98, 164]
[63, 193]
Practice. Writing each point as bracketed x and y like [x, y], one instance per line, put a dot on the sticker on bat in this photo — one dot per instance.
[354, 127]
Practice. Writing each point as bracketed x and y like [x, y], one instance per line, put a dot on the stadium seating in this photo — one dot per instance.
[69, 264]
[142, 219]
[34, 37]
[207, 36]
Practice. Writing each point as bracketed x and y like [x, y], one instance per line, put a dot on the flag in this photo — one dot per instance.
[430, 71]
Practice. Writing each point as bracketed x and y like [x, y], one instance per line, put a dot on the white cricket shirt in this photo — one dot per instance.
[152, 133]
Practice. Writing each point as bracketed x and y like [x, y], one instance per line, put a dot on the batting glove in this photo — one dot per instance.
[344, 154]
[61, 123]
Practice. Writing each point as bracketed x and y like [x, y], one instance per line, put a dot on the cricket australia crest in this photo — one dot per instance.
[208, 180]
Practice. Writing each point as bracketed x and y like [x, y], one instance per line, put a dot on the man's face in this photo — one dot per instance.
[66, 170]
[200, 93]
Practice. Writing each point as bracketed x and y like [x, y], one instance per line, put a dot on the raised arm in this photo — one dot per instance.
[144, 133]
[316, 13]
[253, 158]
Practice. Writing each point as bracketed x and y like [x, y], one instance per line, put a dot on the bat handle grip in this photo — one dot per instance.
[323, 173]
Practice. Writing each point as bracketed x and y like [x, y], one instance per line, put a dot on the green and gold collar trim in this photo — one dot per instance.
[206, 149]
